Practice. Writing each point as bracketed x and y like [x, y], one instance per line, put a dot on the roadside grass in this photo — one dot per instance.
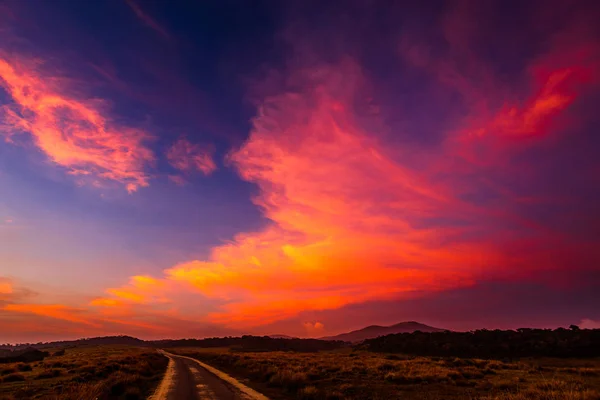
[353, 375]
[82, 373]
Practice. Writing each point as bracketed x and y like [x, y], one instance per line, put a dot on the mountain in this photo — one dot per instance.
[374, 331]
[282, 337]
[94, 341]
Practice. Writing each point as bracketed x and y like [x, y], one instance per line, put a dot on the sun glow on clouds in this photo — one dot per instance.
[188, 157]
[56, 311]
[348, 218]
[5, 287]
[75, 134]
[353, 214]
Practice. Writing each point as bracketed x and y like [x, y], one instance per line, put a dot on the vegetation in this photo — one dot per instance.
[560, 342]
[538, 364]
[90, 372]
[255, 343]
[356, 374]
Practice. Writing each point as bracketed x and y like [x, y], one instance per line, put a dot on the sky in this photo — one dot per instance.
[180, 169]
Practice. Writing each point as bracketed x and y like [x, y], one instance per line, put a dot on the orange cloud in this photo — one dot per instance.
[556, 91]
[5, 287]
[56, 311]
[141, 289]
[73, 133]
[189, 157]
[346, 212]
[348, 217]
[352, 218]
[314, 328]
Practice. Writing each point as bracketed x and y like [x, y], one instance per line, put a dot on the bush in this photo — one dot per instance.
[13, 378]
[290, 380]
[49, 373]
[7, 371]
[308, 393]
[24, 367]
[133, 393]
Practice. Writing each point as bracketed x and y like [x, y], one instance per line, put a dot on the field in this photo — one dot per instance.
[99, 372]
[352, 374]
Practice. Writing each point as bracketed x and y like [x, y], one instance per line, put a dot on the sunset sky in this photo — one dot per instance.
[190, 169]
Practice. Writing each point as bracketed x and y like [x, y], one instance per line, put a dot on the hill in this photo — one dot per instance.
[374, 331]
[282, 337]
[94, 341]
[483, 343]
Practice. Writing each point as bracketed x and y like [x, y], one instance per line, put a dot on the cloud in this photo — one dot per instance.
[76, 134]
[356, 214]
[57, 311]
[6, 288]
[11, 292]
[147, 19]
[24, 318]
[141, 289]
[178, 180]
[589, 324]
[361, 209]
[188, 157]
[313, 328]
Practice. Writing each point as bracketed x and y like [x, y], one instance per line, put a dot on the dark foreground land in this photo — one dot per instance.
[562, 364]
[350, 374]
[95, 372]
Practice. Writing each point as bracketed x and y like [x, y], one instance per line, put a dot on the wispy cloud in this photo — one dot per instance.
[589, 324]
[57, 311]
[77, 134]
[6, 287]
[354, 211]
[147, 19]
[189, 157]
[353, 217]
[314, 328]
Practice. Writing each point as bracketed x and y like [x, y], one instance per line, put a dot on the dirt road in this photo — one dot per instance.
[190, 379]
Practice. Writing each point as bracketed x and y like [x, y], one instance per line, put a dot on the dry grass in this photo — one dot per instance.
[101, 372]
[350, 374]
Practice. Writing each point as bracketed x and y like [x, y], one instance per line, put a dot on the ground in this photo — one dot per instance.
[98, 372]
[125, 372]
[351, 374]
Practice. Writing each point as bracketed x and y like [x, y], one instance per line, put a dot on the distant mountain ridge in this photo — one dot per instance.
[94, 341]
[277, 336]
[369, 332]
[373, 331]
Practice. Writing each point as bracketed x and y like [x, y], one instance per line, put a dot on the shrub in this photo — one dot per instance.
[133, 393]
[49, 373]
[24, 367]
[290, 380]
[7, 371]
[386, 367]
[13, 378]
[308, 393]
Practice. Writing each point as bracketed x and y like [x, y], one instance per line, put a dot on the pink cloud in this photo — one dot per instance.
[589, 324]
[75, 133]
[189, 157]
[147, 19]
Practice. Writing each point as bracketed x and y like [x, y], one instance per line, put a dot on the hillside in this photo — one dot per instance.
[374, 331]
[282, 337]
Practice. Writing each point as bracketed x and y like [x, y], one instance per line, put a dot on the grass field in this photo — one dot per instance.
[101, 372]
[347, 374]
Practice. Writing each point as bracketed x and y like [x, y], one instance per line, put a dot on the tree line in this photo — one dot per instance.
[483, 343]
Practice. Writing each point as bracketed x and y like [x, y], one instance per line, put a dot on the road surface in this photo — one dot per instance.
[190, 379]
